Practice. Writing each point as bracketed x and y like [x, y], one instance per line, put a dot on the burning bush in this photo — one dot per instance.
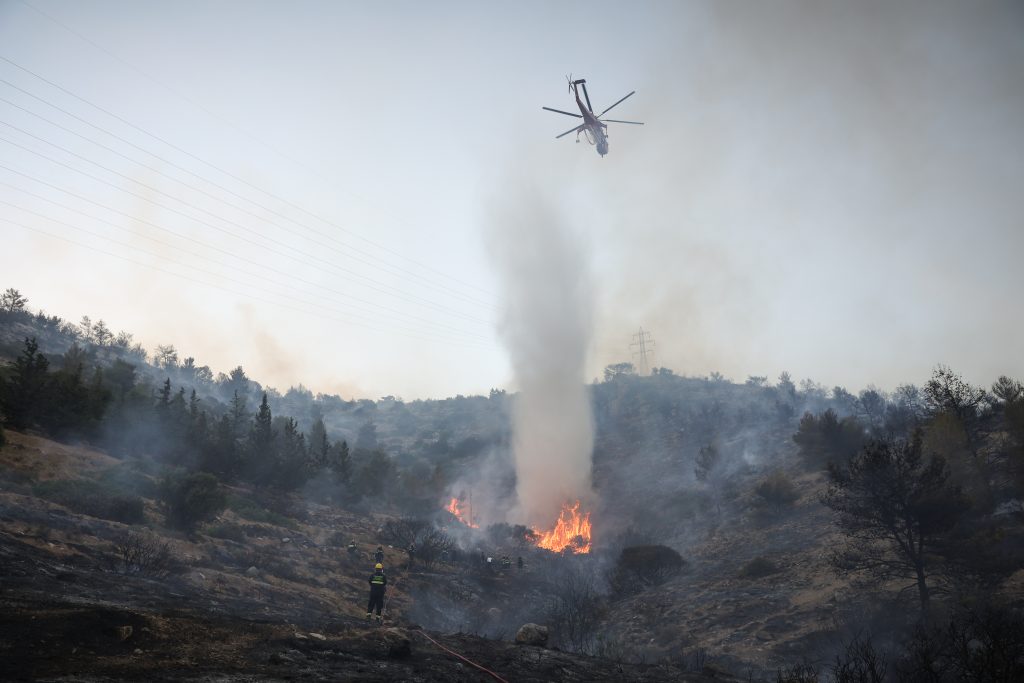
[571, 532]
[642, 566]
[518, 536]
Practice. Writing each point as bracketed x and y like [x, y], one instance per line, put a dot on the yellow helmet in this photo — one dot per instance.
[379, 566]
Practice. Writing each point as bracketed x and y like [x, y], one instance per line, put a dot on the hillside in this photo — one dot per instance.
[213, 515]
[72, 608]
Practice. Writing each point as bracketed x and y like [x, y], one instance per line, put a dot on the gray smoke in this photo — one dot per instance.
[546, 327]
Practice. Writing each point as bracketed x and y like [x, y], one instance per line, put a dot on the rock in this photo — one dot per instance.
[300, 636]
[494, 613]
[124, 632]
[252, 571]
[532, 634]
[275, 658]
[318, 636]
[286, 540]
[138, 651]
[398, 643]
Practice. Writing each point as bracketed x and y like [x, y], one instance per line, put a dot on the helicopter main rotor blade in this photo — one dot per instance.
[559, 111]
[616, 104]
[635, 123]
[571, 130]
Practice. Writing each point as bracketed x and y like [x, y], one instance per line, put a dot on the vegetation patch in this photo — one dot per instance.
[252, 511]
[92, 498]
[191, 498]
[642, 566]
[227, 531]
[758, 568]
[143, 554]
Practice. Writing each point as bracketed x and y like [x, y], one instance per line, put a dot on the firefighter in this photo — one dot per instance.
[412, 554]
[378, 556]
[506, 563]
[519, 563]
[378, 585]
[352, 548]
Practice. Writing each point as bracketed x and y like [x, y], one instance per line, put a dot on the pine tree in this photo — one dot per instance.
[23, 393]
[260, 465]
[164, 397]
[193, 406]
[343, 464]
[293, 457]
[238, 415]
[320, 446]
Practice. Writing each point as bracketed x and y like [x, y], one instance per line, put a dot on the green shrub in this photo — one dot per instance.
[191, 498]
[776, 491]
[126, 476]
[252, 511]
[93, 498]
[230, 532]
[757, 568]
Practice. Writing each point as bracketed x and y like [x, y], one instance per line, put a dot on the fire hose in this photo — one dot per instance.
[451, 652]
[465, 659]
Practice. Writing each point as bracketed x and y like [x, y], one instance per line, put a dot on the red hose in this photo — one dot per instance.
[467, 661]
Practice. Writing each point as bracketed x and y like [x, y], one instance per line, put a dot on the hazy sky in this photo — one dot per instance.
[302, 188]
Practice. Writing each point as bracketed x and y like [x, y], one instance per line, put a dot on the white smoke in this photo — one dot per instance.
[546, 326]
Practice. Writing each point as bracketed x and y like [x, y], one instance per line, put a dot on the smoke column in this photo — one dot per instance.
[546, 327]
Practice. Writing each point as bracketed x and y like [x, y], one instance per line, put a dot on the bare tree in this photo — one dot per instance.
[577, 611]
[143, 554]
[860, 662]
[895, 509]
[405, 531]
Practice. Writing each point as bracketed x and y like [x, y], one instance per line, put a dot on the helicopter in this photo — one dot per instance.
[594, 128]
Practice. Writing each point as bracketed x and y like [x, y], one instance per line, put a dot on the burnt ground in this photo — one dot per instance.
[276, 597]
[282, 603]
[70, 621]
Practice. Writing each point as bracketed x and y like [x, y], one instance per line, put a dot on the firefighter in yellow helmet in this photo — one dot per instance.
[378, 585]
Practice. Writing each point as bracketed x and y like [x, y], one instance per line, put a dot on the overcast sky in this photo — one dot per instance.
[303, 188]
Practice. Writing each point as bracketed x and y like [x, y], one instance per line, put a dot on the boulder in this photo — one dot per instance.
[252, 571]
[532, 634]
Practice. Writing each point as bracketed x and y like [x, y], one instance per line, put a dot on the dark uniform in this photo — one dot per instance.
[378, 556]
[378, 585]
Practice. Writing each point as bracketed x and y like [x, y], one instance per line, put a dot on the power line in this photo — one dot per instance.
[205, 245]
[366, 282]
[441, 328]
[234, 177]
[315, 313]
[394, 269]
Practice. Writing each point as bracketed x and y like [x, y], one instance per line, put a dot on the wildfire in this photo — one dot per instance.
[572, 532]
[458, 509]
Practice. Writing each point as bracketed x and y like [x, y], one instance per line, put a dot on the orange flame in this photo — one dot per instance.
[572, 532]
[460, 513]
